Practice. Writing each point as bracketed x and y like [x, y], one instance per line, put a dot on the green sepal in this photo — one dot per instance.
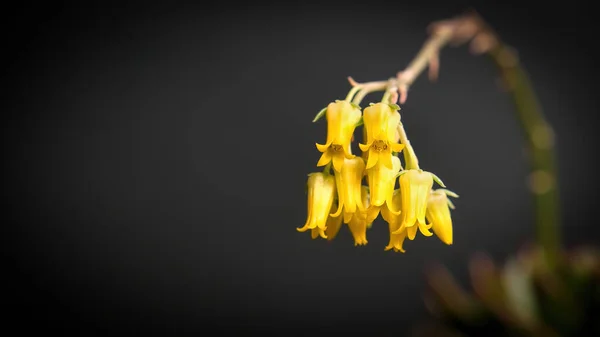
[400, 173]
[394, 106]
[437, 180]
[320, 114]
[355, 106]
[449, 193]
[359, 123]
[450, 204]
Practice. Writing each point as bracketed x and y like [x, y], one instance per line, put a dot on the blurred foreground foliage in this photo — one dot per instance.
[525, 297]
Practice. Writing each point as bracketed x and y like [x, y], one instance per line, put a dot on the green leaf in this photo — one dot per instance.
[438, 180]
[355, 106]
[320, 114]
[394, 106]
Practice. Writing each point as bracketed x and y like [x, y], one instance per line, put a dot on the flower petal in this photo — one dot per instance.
[365, 147]
[373, 158]
[323, 147]
[325, 159]
[338, 161]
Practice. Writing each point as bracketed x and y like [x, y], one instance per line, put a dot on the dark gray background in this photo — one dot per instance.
[156, 157]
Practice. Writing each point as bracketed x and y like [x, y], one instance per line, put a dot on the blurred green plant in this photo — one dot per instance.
[542, 290]
[525, 297]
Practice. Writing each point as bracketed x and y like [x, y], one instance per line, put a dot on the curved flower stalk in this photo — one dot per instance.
[382, 181]
[381, 121]
[342, 119]
[438, 214]
[348, 183]
[321, 192]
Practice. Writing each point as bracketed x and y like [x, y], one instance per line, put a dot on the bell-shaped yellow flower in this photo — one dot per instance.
[333, 227]
[348, 182]
[381, 121]
[382, 181]
[321, 192]
[342, 119]
[358, 224]
[438, 214]
[415, 186]
[394, 221]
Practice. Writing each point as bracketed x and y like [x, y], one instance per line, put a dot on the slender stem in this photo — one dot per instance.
[386, 97]
[410, 157]
[368, 88]
[471, 27]
[352, 92]
[540, 141]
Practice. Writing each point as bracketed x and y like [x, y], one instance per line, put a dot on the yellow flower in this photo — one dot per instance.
[438, 214]
[321, 192]
[380, 121]
[348, 182]
[333, 227]
[358, 223]
[394, 221]
[415, 186]
[342, 119]
[382, 181]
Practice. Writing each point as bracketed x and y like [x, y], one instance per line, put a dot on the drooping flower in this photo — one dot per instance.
[415, 186]
[348, 184]
[438, 214]
[382, 181]
[342, 118]
[321, 192]
[359, 223]
[394, 221]
[331, 228]
[381, 122]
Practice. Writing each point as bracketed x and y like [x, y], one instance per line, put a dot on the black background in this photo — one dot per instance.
[156, 158]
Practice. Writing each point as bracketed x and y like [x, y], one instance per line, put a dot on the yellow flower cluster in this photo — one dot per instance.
[338, 196]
